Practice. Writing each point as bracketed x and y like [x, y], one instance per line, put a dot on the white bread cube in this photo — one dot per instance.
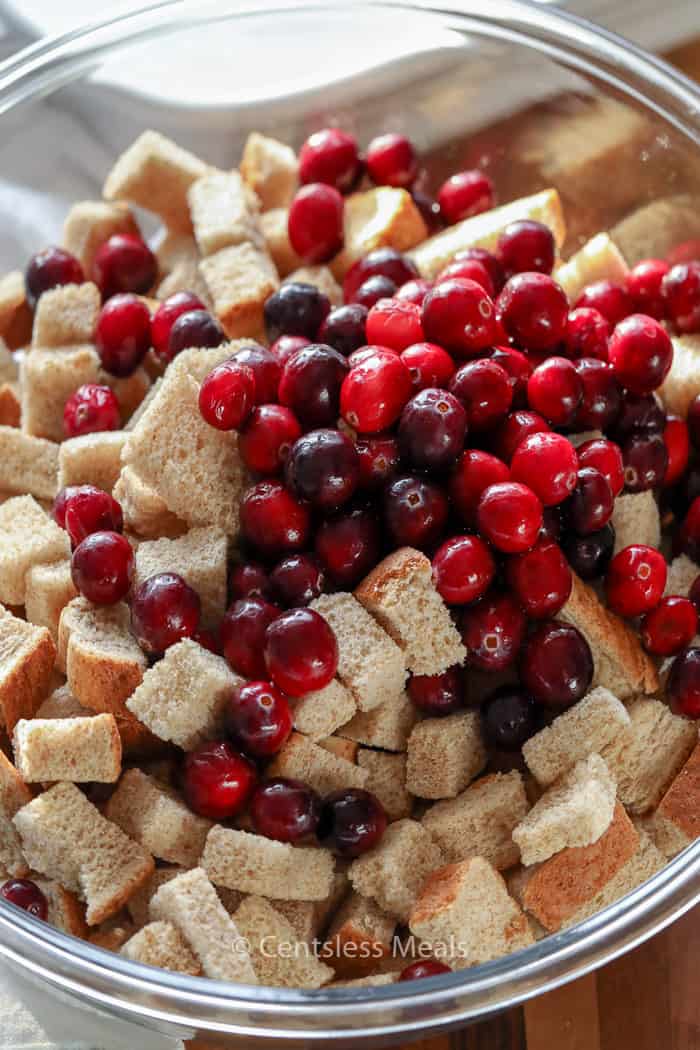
[62, 704]
[28, 537]
[400, 593]
[652, 231]
[49, 378]
[675, 822]
[89, 224]
[466, 907]
[387, 726]
[360, 935]
[79, 750]
[28, 465]
[66, 316]
[254, 864]
[381, 217]
[274, 228]
[681, 574]
[318, 714]
[15, 312]
[91, 459]
[394, 872]
[279, 958]
[65, 911]
[200, 557]
[14, 794]
[113, 933]
[301, 759]
[481, 820]
[27, 656]
[445, 754]
[387, 780]
[320, 277]
[635, 518]
[190, 903]
[598, 260]
[145, 512]
[138, 905]
[240, 279]
[161, 944]
[682, 383]
[271, 170]
[49, 588]
[224, 212]
[179, 259]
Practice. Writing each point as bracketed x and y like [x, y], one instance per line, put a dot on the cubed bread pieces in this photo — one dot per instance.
[129, 390]
[467, 915]
[200, 557]
[682, 383]
[387, 726]
[445, 754]
[588, 726]
[15, 313]
[161, 944]
[681, 574]
[14, 794]
[9, 369]
[28, 465]
[302, 759]
[310, 918]
[49, 378]
[224, 212]
[113, 933]
[381, 217]
[10, 404]
[598, 260]
[65, 911]
[66, 316]
[271, 170]
[179, 259]
[91, 459]
[240, 279]
[400, 593]
[320, 277]
[279, 958]
[318, 714]
[480, 821]
[635, 519]
[394, 872]
[675, 823]
[653, 230]
[251, 863]
[138, 905]
[65, 837]
[49, 588]
[27, 657]
[190, 903]
[89, 224]
[145, 512]
[387, 780]
[28, 537]
[80, 750]
[342, 748]
[277, 243]
[62, 704]
[360, 934]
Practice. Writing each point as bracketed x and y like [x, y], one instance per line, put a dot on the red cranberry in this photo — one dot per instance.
[556, 668]
[540, 580]
[286, 345]
[686, 251]
[248, 578]
[394, 323]
[689, 534]
[551, 524]
[509, 718]
[670, 627]
[243, 634]
[474, 472]
[429, 209]
[589, 556]
[301, 652]
[352, 822]
[164, 610]
[639, 415]
[681, 292]
[509, 515]
[463, 569]
[49, 269]
[488, 260]
[372, 290]
[677, 442]
[432, 430]
[590, 506]
[123, 334]
[643, 284]
[266, 438]
[102, 567]
[87, 509]
[345, 328]
[414, 291]
[208, 639]
[259, 719]
[330, 156]
[92, 408]
[641, 353]
[645, 459]
[323, 468]
[493, 630]
[514, 429]
[437, 694]
[311, 384]
[296, 580]
[547, 463]
[227, 395]
[683, 687]
[25, 894]
[315, 222]
[415, 512]
[416, 971]
[694, 593]
[61, 502]
[609, 299]
[527, 246]
[604, 456]
[485, 390]
[375, 391]
[273, 521]
[465, 194]
[296, 308]
[429, 365]
[265, 368]
[586, 334]
[471, 270]
[385, 261]
[195, 328]
[348, 546]
[518, 369]
[533, 309]
[284, 809]
[683, 495]
[165, 317]
[124, 263]
[391, 160]
[459, 315]
[555, 390]
[602, 396]
[218, 781]
[379, 460]
[636, 580]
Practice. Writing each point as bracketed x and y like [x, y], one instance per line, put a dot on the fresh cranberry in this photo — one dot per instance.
[518, 369]
[604, 456]
[589, 556]
[463, 569]
[301, 652]
[218, 781]
[639, 415]
[311, 384]
[266, 438]
[194, 328]
[474, 472]
[416, 971]
[555, 390]
[547, 463]
[352, 822]
[348, 546]
[437, 694]
[693, 420]
[208, 639]
[375, 391]
[60, 504]
[372, 290]
[636, 580]
[379, 460]
[644, 285]
[586, 334]
[92, 408]
[25, 894]
[296, 308]
[465, 194]
[556, 668]
[681, 292]
[49, 269]
[272, 520]
[551, 524]
[533, 309]
[415, 512]
[315, 222]
[323, 467]
[689, 533]
[429, 209]
[677, 442]
[345, 328]
[165, 317]
[492, 631]
[265, 368]
[488, 260]
[540, 580]
[243, 634]
[526, 246]
[124, 263]
[694, 593]
[590, 506]
[683, 495]
[414, 291]
[645, 459]
[641, 353]
[259, 719]
[683, 686]
[286, 345]
[385, 261]
[248, 578]
[391, 160]
[602, 397]
[508, 718]
[670, 627]
[485, 390]
[471, 270]
[429, 365]
[394, 323]
[514, 429]
[123, 334]
[432, 430]
[330, 156]
[458, 315]
[509, 515]
[284, 809]
[296, 580]
[164, 610]
[609, 299]
[227, 395]
[102, 567]
[87, 509]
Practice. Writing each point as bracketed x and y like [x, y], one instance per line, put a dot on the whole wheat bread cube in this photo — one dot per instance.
[359, 936]
[62, 704]
[370, 663]
[27, 657]
[113, 933]
[28, 465]
[400, 593]
[80, 750]
[675, 823]
[271, 170]
[279, 958]
[681, 574]
[381, 217]
[28, 537]
[598, 260]
[588, 726]
[394, 872]
[302, 759]
[387, 726]
[65, 911]
[49, 588]
[10, 404]
[224, 212]
[49, 378]
[682, 383]
[320, 277]
[15, 312]
[310, 918]
[240, 279]
[91, 459]
[190, 903]
[138, 905]
[251, 863]
[179, 259]
[66, 316]
[274, 227]
[161, 944]
[14, 794]
[635, 519]
[445, 754]
[89, 224]
[480, 821]
[200, 557]
[387, 780]
[342, 748]
[65, 837]
[318, 714]
[130, 390]
[145, 512]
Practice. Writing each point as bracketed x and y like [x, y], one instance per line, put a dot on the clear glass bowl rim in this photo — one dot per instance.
[139, 992]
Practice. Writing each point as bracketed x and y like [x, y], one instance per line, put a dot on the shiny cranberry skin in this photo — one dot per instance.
[677, 442]
[296, 308]
[124, 263]
[379, 460]
[514, 429]
[49, 269]
[602, 397]
[416, 971]
[259, 719]
[533, 309]
[102, 567]
[555, 390]
[518, 369]
[474, 472]
[526, 246]
[60, 504]
[641, 353]
[375, 391]
[265, 368]
[415, 512]
[248, 578]
[315, 222]
[681, 291]
[352, 822]
[604, 456]
[463, 569]
[284, 809]
[296, 580]
[683, 686]
[165, 317]
[266, 438]
[218, 781]
[694, 593]
[323, 467]
[330, 156]
[348, 546]
[394, 323]
[164, 610]
[345, 328]
[670, 627]
[391, 160]
[301, 652]
[123, 334]
[437, 694]
[493, 630]
[644, 285]
[372, 290]
[458, 315]
[471, 270]
[636, 580]
[429, 365]
[243, 634]
[586, 334]
[311, 383]
[194, 328]
[385, 261]
[547, 463]
[551, 524]
[87, 509]
[429, 209]
[589, 556]
[639, 415]
[590, 506]
[485, 390]
[556, 667]
[432, 430]
[508, 718]
[645, 459]
[509, 515]
[540, 580]
[689, 533]
[92, 408]
[609, 299]
[273, 521]
[414, 291]
[25, 894]
[227, 395]
[465, 194]
[286, 345]
[488, 260]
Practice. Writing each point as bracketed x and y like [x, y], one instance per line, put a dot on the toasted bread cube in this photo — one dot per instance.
[49, 588]
[645, 760]
[588, 726]
[182, 698]
[387, 780]
[65, 837]
[635, 519]
[381, 217]
[681, 575]
[89, 224]
[682, 383]
[15, 312]
[162, 944]
[277, 243]
[279, 958]
[652, 231]
[91, 459]
[200, 557]
[10, 404]
[66, 316]
[320, 277]
[224, 212]
[9, 370]
[271, 170]
[251, 863]
[445, 754]
[320, 713]
[49, 378]
[387, 726]
[27, 655]
[80, 750]
[154, 173]
[342, 748]
[240, 279]
[145, 512]
[480, 820]
[360, 935]
[113, 933]
[310, 918]
[400, 593]
[598, 260]
[14, 794]
[65, 911]
[677, 817]
[301, 759]
[28, 537]
[28, 464]
[62, 704]
[394, 872]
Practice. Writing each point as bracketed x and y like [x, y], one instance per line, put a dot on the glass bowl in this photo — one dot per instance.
[535, 97]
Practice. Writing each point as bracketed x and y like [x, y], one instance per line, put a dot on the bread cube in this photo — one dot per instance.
[240, 279]
[66, 316]
[279, 958]
[681, 575]
[138, 905]
[80, 750]
[676, 821]
[387, 780]
[224, 212]
[101, 657]
[62, 704]
[301, 759]
[15, 313]
[161, 944]
[635, 519]
[251, 863]
[200, 557]
[14, 794]
[145, 512]
[342, 748]
[360, 935]
[277, 243]
[65, 911]
[381, 217]
[653, 230]
[28, 464]
[89, 224]
[394, 872]
[598, 260]
[271, 170]
[27, 656]
[320, 277]
[91, 459]
[387, 726]
[28, 537]
[49, 588]
[445, 754]
[10, 404]
[179, 259]
[682, 383]
[49, 379]
[310, 918]
[318, 714]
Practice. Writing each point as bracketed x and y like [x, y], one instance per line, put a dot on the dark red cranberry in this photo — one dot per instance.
[391, 160]
[677, 441]
[509, 515]
[352, 822]
[509, 718]
[243, 634]
[372, 290]
[555, 390]
[61, 502]
[670, 627]
[310, 385]
[416, 971]
[694, 593]
[123, 334]
[375, 391]
[641, 353]
[323, 467]
[540, 579]
[164, 610]
[315, 222]
[266, 438]
[345, 328]
[429, 365]
[102, 567]
[301, 652]
[602, 396]
[639, 415]
[165, 317]
[265, 368]
[415, 512]
[259, 719]
[683, 687]
[485, 390]
[518, 369]
[432, 430]
[589, 556]
[49, 269]
[551, 524]
[533, 309]
[248, 578]
[514, 429]
[586, 334]
[25, 894]
[414, 291]
[92, 408]
[547, 463]
[527, 246]
[689, 533]
[124, 263]
[606, 457]
[474, 472]
[379, 460]
[330, 156]
[465, 194]
[636, 580]
[471, 270]
[644, 285]
[218, 781]
[438, 694]
[386, 261]
[395, 323]
[590, 506]
[296, 308]
[458, 315]
[286, 345]
[273, 521]
[684, 495]
[609, 299]
[208, 639]
[488, 260]
[87, 509]
[556, 667]
[195, 328]
[227, 395]
[429, 210]
[492, 631]
[348, 546]
[296, 580]
[645, 459]
[284, 809]
[681, 292]
[463, 569]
